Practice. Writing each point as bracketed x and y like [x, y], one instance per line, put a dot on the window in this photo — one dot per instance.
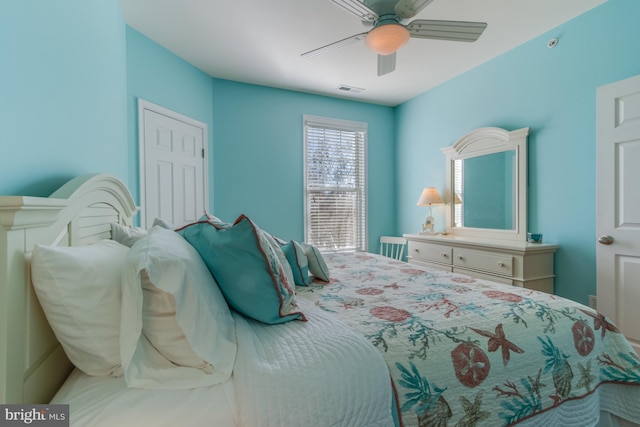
[335, 184]
[457, 192]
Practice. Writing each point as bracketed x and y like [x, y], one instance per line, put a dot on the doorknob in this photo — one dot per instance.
[605, 240]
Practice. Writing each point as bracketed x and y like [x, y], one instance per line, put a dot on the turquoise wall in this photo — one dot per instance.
[72, 71]
[255, 136]
[258, 164]
[156, 75]
[552, 91]
[62, 93]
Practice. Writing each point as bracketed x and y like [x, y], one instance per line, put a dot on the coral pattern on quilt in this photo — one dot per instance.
[469, 352]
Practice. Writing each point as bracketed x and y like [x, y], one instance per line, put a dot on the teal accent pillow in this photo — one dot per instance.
[248, 268]
[317, 265]
[297, 259]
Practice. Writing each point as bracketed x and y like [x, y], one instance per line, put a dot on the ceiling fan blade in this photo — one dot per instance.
[406, 9]
[357, 8]
[386, 64]
[460, 31]
[334, 45]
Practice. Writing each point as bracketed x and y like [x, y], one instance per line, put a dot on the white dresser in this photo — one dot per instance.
[528, 265]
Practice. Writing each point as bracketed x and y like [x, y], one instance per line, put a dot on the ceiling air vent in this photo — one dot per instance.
[351, 89]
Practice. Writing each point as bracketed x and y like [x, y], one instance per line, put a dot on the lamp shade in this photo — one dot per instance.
[430, 197]
[386, 39]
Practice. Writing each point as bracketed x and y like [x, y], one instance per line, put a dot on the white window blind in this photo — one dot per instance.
[335, 184]
[458, 174]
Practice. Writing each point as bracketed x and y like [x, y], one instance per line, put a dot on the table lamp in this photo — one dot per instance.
[429, 197]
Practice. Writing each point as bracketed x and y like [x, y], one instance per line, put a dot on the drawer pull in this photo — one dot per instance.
[501, 264]
[459, 258]
[417, 251]
[444, 254]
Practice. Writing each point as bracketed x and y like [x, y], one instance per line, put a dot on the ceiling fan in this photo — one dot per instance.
[389, 33]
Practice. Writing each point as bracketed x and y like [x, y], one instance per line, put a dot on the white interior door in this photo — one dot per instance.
[173, 166]
[618, 205]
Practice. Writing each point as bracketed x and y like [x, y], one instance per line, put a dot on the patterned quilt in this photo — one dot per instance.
[467, 352]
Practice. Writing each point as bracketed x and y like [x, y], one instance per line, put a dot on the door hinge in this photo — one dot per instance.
[203, 153]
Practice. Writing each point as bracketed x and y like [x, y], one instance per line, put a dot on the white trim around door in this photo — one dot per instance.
[173, 162]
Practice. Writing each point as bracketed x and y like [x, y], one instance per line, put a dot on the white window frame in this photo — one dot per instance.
[327, 123]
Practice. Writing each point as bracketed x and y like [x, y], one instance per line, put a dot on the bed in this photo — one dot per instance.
[381, 343]
[466, 351]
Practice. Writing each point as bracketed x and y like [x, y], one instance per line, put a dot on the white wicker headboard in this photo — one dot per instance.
[32, 363]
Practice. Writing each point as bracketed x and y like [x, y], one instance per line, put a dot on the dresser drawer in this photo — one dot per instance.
[425, 251]
[431, 265]
[516, 263]
[497, 264]
[487, 276]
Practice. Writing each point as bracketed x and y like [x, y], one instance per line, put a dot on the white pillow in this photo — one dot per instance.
[196, 346]
[164, 224]
[80, 293]
[126, 235]
[160, 327]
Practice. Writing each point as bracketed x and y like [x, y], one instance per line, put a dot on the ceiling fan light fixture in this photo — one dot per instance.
[386, 39]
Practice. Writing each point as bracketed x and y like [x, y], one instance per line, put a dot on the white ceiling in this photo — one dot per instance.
[260, 41]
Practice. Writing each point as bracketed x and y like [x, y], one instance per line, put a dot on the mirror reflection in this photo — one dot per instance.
[485, 191]
[487, 184]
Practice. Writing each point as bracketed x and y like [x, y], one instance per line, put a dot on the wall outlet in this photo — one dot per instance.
[593, 302]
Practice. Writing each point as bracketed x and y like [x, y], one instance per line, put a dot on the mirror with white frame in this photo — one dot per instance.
[486, 195]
